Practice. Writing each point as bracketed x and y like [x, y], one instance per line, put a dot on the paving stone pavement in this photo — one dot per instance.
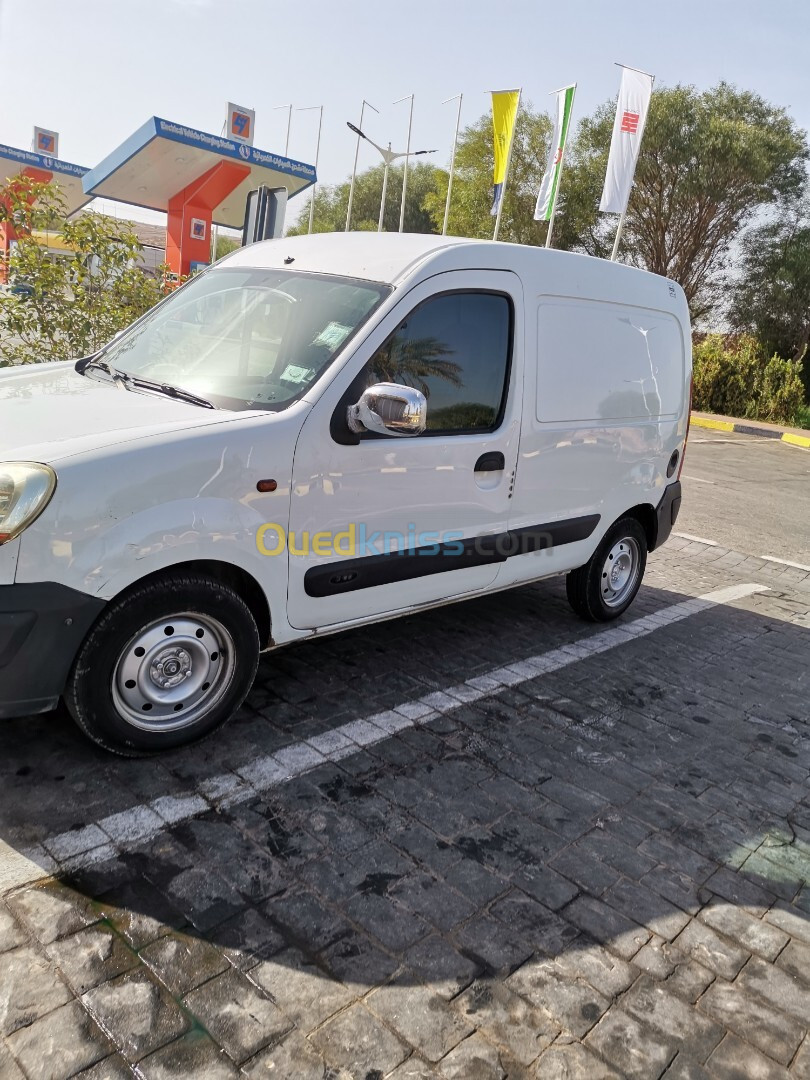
[598, 868]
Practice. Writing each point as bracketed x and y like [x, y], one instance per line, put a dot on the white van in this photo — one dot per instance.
[318, 433]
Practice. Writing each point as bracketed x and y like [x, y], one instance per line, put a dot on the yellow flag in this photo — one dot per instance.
[504, 115]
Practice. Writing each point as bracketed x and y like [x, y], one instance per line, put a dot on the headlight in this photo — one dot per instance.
[25, 490]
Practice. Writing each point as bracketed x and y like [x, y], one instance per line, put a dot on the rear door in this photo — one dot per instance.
[602, 413]
[383, 524]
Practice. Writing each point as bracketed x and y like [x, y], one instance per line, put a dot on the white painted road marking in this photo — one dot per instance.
[696, 539]
[737, 438]
[786, 562]
[98, 841]
[697, 479]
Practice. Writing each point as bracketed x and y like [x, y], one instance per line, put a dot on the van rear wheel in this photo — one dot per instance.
[606, 585]
[166, 664]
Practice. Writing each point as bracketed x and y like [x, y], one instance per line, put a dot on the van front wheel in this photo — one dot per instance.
[165, 665]
[606, 585]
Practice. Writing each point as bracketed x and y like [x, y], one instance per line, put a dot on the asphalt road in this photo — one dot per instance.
[747, 493]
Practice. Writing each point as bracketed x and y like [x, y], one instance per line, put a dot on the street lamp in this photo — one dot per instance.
[452, 161]
[407, 158]
[389, 156]
[289, 125]
[311, 108]
[354, 170]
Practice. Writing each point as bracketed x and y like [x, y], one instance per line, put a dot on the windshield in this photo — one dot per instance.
[246, 338]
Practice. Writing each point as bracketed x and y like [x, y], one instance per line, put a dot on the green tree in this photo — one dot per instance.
[412, 360]
[709, 162]
[69, 306]
[332, 201]
[772, 297]
[225, 245]
[471, 199]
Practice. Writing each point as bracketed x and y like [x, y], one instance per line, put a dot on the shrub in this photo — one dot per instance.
[72, 306]
[733, 376]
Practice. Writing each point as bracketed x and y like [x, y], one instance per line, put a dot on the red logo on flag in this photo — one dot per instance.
[558, 155]
[630, 122]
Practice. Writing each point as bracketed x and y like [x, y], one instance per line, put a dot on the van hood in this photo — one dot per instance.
[49, 412]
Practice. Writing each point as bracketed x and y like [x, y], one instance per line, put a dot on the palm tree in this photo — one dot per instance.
[413, 360]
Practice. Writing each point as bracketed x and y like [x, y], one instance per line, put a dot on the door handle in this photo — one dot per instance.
[491, 462]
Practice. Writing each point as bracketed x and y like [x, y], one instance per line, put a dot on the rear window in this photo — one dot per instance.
[599, 361]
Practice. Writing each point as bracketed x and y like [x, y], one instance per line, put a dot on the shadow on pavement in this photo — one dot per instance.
[632, 828]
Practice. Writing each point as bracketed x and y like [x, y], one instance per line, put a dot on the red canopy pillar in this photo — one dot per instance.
[8, 234]
[188, 233]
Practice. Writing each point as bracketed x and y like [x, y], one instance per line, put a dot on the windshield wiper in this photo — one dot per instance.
[176, 392]
[88, 362]
[134, 382]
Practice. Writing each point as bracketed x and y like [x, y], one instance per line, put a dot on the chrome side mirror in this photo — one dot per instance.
[389, 409]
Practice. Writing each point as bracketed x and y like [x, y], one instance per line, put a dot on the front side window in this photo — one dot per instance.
[456, 349]
[247, 338]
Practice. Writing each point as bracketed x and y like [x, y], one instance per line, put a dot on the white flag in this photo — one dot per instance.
[628, 129]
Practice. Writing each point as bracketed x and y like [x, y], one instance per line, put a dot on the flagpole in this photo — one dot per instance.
[618, 240]
[317, 156]
[407, 157]
[506, 172]
[452, 162]
[641, 71]
[354, 170]
[559, 172]
[620, 227]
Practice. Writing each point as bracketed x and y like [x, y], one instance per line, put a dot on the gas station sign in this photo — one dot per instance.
[240, 123]
[46, 142]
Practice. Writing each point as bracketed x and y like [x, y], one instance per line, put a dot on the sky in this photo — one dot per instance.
[96, 70]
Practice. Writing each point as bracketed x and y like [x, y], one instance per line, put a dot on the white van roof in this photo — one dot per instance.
[393, 257]
[386, 257]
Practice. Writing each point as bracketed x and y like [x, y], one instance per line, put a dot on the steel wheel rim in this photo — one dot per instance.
[620, 571]
[173, 672]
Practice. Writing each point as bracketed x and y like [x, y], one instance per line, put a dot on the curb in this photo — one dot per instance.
[747, 429]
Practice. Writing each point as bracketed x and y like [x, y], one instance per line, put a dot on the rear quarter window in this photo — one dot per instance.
[601, 361]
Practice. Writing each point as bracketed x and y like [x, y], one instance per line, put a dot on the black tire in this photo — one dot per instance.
[180, 630]
[589, 591]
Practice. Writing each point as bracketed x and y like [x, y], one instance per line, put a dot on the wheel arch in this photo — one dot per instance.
[239, 579]
[645, 515]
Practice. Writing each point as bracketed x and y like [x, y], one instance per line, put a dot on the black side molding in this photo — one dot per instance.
[349, 575]
[555, 534]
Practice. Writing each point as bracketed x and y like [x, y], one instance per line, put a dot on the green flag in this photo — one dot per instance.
[547, 196]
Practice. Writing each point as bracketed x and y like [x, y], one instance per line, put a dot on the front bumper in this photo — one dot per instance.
[42, 626]
[667, 512]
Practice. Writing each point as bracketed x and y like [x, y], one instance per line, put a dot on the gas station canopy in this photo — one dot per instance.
[163, 159]
[14, 162]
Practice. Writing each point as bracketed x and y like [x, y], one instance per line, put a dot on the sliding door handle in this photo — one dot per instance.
[491, 462]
